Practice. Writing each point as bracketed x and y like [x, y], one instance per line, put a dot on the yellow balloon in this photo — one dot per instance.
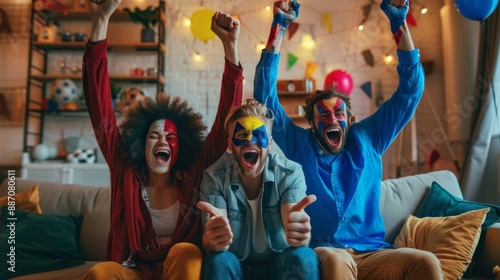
[200, 25]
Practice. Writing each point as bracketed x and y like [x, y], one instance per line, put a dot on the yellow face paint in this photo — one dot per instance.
[250, 129]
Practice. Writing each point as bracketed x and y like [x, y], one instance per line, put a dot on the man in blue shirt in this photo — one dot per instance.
[256, 227]
[342, 161]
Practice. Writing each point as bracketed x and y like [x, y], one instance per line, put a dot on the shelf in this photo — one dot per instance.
[114, 78]
[80, 46]
[70, 114]
[298, 94]
[83, 15]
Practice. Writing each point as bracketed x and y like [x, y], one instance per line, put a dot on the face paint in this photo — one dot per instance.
[330, 124]
[250, 130]
[162, 146]
[331, 110]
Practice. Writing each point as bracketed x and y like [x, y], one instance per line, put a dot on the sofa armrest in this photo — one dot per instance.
[489, 252]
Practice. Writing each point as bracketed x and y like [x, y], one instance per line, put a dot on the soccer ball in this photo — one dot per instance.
[65, 93]
[81, 156]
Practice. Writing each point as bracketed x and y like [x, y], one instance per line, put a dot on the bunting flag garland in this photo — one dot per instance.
[327, 21]
[367, 88]
[368, 56]
[292, 59]
[410, 18]
[366, 12]
[292, 28]
[311, 67]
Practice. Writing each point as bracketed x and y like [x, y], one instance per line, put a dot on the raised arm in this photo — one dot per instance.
[386, 123]
[396, 11]
[227, 29]
[266, 73]
[96, 83]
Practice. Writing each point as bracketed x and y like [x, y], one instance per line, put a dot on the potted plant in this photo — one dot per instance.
[148, 18]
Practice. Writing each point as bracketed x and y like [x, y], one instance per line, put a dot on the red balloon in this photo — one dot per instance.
[340, 80]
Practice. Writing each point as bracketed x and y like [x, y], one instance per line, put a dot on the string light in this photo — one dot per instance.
[186, 22]
[259, 47]
[268, 8]
[361, 27]
[308, 42]
[424, 10]
[197, 57]
[388, 59]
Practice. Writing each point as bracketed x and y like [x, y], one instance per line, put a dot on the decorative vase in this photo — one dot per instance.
[147, 35]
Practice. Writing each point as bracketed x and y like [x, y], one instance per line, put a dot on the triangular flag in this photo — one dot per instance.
[367, 88]
[292, 59]
[327, 21]
[292, 28]
[311, 67]
[366, 13]
[312, 30]
[368, 56]
[410, 18]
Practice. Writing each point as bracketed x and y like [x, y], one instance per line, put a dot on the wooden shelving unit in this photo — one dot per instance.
[39, 76]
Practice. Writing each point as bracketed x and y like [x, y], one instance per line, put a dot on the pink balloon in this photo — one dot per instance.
[340, 80]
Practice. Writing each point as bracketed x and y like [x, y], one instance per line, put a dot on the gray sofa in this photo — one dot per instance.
[400, 197]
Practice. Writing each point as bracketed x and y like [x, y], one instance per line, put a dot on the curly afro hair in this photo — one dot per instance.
[135, 126]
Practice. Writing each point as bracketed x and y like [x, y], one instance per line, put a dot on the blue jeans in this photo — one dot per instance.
[292, 263]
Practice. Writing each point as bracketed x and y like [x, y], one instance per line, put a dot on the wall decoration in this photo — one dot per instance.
[292, 28]
[311, 68]
[367, 88]
[292, 59]
[200, 25]
[368, 56]
[327, 21]
[476, 10]
[339, 79]
[12, 102]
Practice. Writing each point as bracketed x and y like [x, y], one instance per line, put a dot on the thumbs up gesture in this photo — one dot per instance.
[218, 232]
[298, 226]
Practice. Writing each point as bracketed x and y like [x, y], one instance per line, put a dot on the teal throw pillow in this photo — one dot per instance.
[34, 243]
[440, 203]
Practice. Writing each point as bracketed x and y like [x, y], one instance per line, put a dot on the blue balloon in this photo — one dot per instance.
[476, 9]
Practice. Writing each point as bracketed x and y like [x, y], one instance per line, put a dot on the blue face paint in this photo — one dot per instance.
[250, 130]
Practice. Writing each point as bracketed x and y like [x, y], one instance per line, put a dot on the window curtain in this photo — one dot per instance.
[485, 117]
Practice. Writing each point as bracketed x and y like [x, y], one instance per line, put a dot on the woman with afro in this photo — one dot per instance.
[156, 158]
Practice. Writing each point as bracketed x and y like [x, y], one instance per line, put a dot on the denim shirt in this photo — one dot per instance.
[284, 183]
[347, 184]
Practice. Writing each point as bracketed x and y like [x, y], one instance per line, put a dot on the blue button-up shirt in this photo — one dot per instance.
[347, 184]
[284, 183]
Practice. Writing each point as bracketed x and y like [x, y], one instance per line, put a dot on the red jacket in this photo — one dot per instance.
[131, 227]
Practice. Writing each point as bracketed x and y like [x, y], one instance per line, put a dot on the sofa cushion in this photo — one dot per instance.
[403, 196]
[26, 200]
[36, 243]
[439, 203]
[452, 239]
[70, 199]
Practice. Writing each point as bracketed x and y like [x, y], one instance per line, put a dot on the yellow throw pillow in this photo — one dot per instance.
[452, 239]
[26, 201]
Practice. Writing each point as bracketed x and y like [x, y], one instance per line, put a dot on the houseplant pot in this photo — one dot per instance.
[147, 35]
[147, 18]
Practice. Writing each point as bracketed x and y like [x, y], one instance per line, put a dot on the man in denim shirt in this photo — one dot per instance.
[255, 227]
[342, 161]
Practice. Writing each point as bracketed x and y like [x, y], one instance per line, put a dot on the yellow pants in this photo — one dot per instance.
[388, 264]
[183, 262]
